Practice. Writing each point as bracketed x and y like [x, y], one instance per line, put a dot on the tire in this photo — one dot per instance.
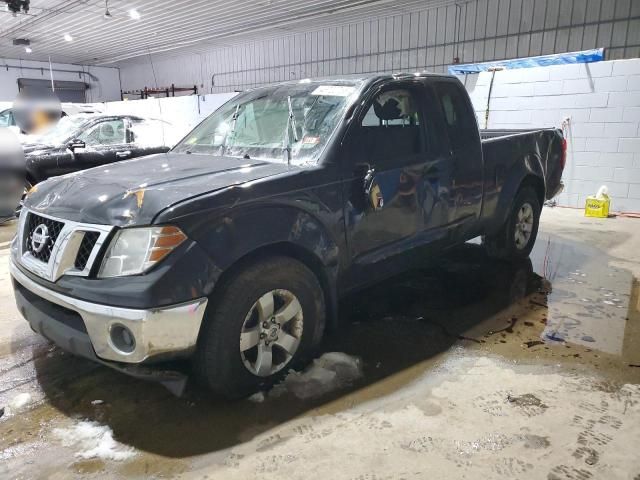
[516, 237]
[225, 360]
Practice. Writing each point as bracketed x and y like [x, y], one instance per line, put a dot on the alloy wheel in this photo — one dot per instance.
[524, 226]
[271, 332]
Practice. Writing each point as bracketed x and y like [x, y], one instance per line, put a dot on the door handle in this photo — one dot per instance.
[124, 154]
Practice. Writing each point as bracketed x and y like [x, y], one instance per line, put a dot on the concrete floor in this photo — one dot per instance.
[473, 368]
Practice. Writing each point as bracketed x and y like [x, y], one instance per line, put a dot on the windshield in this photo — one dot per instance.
[62, 130]
[277, 124]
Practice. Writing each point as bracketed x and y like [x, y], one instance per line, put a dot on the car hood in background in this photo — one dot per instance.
[40, 148]
[133, 192]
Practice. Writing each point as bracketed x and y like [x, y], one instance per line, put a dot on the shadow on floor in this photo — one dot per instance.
[391, 327]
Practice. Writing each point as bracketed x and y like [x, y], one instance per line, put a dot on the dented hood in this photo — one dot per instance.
[135, 191]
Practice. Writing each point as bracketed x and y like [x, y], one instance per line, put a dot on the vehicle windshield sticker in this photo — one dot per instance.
[310, 141]
[333, 90]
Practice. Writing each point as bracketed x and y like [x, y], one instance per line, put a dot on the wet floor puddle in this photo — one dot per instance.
[564, 306]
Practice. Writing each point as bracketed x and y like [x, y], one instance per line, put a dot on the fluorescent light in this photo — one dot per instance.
[68, 37]
[28, 49]
[134, 14]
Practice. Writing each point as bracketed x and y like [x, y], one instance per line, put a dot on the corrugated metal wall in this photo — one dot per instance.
[472, 31]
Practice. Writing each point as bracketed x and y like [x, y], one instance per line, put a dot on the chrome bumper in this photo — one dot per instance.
[165, 331]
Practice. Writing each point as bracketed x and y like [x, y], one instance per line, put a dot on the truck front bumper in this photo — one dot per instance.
[105, 333]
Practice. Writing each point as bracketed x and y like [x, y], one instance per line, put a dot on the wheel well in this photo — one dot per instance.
[537, 184]
[286, 250]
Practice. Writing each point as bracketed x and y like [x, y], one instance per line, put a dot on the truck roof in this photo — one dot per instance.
[359, 77]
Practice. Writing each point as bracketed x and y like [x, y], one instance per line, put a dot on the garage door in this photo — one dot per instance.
[65, 90]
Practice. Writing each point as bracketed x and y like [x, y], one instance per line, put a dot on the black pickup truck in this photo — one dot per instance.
[233, 248]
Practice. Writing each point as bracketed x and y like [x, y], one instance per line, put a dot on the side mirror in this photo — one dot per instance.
[76, 144]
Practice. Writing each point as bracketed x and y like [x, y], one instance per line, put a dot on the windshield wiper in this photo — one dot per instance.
[291, 123]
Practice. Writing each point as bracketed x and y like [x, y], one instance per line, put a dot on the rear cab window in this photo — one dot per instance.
[458, 116]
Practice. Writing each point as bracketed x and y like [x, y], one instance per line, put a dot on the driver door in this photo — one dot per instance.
[105, 143]
[385, 159]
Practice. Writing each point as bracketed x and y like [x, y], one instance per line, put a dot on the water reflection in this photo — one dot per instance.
[589, 299]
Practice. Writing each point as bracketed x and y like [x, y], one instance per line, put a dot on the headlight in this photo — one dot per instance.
[135, 250]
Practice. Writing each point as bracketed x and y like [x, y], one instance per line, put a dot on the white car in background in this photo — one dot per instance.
[8, 120]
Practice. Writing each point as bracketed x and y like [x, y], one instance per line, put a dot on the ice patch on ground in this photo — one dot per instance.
[20, 401]
[331, 371]
[257, 397]
[94, 441]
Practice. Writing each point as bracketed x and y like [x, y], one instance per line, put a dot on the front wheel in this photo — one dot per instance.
[264, 321]
[518, 235]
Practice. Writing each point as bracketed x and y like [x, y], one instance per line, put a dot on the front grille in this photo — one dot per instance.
[53, 228]
[86, 247]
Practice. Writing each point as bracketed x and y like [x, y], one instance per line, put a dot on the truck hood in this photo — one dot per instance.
[133, 192]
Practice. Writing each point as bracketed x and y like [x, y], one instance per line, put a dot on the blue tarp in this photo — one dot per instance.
[585, 56]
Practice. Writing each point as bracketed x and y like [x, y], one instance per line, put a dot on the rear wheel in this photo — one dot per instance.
[518, 235]
[264, 321]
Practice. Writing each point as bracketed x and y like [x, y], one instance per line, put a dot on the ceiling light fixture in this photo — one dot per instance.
[107, 14]
[68, 37]
[134, 14]
[28, 49]
[14, 6]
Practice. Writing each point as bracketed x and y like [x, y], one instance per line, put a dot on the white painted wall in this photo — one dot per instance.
[602, 101]
[105, 88]
[426, 39]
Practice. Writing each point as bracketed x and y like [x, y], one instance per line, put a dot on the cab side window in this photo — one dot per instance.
[393, 126]
[111, 132]
[459, 118]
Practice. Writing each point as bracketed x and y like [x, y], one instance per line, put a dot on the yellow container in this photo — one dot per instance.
[595, 207]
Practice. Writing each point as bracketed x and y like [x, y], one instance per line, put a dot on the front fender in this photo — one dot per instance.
[276, 229]
[238, 233]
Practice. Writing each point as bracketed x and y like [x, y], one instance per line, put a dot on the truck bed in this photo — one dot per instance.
[509, 153]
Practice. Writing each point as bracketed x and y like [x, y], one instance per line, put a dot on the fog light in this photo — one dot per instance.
[122, 338]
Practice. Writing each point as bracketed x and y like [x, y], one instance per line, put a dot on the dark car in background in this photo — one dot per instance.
[79, 142]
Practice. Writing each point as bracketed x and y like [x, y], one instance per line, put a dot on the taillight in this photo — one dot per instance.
[563, 158]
